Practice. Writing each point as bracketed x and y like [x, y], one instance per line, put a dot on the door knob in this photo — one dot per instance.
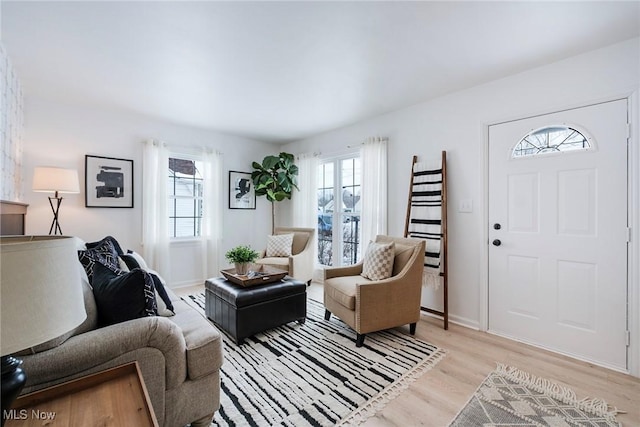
[497, 242]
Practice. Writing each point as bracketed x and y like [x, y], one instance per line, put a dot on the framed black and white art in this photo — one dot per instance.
[241, 192]
[108, 182]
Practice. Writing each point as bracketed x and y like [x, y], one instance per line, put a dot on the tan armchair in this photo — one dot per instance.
[368, 306]
[300, 263]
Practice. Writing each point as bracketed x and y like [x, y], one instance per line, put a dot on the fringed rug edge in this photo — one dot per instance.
[559, 392]
[393, 390]
[564, 394]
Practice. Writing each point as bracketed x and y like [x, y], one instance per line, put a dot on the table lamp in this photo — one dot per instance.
[55, 180]
[40, 299]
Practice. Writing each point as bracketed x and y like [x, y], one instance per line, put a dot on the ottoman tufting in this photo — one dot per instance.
[245, 311]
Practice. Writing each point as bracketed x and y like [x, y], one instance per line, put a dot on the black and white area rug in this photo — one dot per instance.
[313, 374]
[511, 397]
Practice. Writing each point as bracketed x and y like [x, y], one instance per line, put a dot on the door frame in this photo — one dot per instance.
[633, 215]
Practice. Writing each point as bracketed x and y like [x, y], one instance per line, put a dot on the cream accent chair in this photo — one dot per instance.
[368, 306]
[300, 263]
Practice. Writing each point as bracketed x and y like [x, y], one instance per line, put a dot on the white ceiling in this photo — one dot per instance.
[280, 71]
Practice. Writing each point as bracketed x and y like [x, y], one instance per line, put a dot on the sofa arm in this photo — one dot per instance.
[350, 270]
[202, 341]
[85, 351]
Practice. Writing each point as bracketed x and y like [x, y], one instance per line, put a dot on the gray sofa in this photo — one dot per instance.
[179, 356]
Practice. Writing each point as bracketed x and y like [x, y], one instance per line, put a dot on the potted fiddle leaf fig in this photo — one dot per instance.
[275, 178]
[242, 257]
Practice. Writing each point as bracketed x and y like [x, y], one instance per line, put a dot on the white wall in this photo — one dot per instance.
[457, 123]
[61, 135]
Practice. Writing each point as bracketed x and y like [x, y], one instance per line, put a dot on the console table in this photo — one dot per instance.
[12, 218]
[111, 398]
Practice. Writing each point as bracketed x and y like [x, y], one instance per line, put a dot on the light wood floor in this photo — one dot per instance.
[437, 396]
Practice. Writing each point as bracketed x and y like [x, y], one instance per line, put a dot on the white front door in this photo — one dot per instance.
[558, 232]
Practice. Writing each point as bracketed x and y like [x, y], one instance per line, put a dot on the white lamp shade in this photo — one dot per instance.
[40, 290]
[50, 179]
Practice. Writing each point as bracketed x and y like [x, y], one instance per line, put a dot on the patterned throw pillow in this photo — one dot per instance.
[378, 261]
[279, 245]
[103, 251]
[165, 306]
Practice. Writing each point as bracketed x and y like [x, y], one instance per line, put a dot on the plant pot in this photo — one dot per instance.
[242, 267]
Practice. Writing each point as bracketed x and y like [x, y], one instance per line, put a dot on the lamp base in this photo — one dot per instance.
[55, 224]
[13, 380]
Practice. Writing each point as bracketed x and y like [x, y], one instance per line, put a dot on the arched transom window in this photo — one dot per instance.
[552, 139]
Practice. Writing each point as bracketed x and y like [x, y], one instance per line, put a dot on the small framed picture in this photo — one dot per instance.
[108, 182]
[241, 192]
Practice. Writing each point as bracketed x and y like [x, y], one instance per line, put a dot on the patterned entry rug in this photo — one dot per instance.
[313, 374]
[511, 397]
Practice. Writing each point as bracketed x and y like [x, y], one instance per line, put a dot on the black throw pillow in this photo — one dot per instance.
[157, 282]
[122, 297]
[104, 252]
[130, 261]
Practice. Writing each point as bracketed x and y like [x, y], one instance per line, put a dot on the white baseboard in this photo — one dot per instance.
[458, 320]
[184, 284]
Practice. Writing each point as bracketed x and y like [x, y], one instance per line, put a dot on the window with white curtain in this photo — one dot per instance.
[339, 209]
[185, 187]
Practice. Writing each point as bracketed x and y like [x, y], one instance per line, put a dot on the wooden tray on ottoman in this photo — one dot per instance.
[262, 275]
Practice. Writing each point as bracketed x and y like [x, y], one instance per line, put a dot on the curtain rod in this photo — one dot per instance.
[192, 148]
[313, 154]
[363, 143]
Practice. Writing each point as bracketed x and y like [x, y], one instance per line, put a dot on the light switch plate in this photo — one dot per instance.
[466, 205]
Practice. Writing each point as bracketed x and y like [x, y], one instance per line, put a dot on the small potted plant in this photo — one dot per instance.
[242, 257]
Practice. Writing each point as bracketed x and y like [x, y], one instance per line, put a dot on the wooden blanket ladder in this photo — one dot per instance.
[444, 313]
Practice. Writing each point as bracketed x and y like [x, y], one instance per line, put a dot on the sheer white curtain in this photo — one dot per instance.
[305, 201]
[155, 217]
[373, 159]
[212, 213]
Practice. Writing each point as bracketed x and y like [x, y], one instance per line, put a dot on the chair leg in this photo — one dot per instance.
[360, 339]
[309, 282]
[327, 314]
[412, 328]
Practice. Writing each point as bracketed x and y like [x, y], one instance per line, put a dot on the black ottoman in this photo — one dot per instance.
[243, 312]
